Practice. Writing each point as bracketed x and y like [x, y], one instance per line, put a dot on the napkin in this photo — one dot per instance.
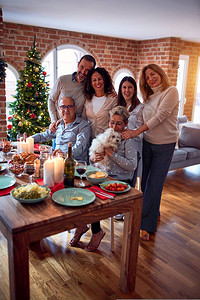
[94, 190]
[36, 147]
[55, 188]
[6, 191]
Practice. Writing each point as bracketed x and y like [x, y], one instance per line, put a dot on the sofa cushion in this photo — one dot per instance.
[179, 155]
[190, 137]
[191, 152]
[182, 119]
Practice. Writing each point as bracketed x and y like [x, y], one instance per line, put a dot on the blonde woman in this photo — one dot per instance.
[160, 133]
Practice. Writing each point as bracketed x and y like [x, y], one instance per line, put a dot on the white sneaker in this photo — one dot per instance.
[119, 217]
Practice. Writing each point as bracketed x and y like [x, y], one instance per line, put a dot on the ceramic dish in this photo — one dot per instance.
[64, 197]
[103, 186]
[3, 167]
[30, 201]
[89, 168]
[6, 181]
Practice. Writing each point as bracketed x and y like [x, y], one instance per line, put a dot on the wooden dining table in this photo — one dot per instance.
[23, 224]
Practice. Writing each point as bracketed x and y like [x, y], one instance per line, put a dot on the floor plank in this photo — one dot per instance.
[168, 265]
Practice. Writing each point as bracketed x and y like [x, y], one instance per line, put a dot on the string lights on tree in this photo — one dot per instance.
[29, 111]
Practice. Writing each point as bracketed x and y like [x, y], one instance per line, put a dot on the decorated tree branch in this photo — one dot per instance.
[29, 111]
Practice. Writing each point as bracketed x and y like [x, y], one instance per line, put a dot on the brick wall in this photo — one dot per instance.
[111, 53]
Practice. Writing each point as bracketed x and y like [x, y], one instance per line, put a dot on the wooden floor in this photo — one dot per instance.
[168, 265]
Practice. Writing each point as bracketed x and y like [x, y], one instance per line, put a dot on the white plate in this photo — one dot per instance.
[6, 181]
[3, 167]
[64, 196]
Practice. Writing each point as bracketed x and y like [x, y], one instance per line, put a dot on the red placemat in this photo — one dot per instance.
[36, 147]
[6, 191]
[55, 188]
[94, 190]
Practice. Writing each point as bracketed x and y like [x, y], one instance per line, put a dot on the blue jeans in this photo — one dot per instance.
[156, 162]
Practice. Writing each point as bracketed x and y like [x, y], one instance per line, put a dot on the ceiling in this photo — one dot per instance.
[132, 19]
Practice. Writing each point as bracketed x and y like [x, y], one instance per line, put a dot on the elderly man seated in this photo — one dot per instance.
[70, 129]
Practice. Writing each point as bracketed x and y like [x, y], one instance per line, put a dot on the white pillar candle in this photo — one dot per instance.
[58, 169]
[48, 172]
[30, 142]
[24, 147]
[19, 145]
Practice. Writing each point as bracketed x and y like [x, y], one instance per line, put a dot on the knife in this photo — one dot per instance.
[103, 194]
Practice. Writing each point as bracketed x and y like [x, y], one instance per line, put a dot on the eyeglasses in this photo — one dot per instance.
[116, 123]
[66, 107]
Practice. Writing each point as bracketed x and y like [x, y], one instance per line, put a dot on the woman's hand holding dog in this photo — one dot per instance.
[97, 157]
[109, 151]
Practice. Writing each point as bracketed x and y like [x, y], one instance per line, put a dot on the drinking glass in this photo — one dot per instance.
[29, 169]
[81, 167]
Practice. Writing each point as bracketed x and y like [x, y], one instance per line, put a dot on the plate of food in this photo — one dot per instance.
[115, 186]
[30, 193]
[2, 167]
[73, 197]
[6, 181]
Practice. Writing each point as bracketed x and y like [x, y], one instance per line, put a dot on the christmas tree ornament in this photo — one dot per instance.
[31, 86]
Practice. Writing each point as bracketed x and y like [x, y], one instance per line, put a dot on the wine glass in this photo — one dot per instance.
[81, 167]
[29, 169]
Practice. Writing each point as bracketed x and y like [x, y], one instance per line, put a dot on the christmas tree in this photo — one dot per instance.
[29, 111]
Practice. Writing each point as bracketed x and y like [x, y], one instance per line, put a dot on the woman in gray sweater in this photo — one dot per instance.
[160, 134]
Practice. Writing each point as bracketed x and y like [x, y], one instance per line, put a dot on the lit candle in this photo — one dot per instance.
[58, 169]
[48, 172]
[30, 142]
[24, 147]
[19, 145]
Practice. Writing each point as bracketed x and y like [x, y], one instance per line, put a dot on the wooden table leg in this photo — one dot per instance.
[18, 267]
[130, 248]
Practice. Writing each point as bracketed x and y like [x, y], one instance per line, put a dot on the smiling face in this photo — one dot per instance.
[84, 66]
[152, 78]
[67, 109]
[97, 83]
[127, 91]
[117, 123]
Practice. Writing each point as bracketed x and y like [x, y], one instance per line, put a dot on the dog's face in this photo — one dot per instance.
[113, 138]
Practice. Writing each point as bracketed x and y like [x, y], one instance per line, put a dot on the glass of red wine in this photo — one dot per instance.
[81, 167]
[29, 169]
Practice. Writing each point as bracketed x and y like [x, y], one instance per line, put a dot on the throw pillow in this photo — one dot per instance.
[190, 137]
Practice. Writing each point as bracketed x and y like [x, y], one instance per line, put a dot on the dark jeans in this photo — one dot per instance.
[156, 162]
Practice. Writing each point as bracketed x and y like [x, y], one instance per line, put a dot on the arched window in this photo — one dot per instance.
[11, 83]
[62, 60]
[118, 77]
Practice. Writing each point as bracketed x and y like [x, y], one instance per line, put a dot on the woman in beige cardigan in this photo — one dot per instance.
[100, 99]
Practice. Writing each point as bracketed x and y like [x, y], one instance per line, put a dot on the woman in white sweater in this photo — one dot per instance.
[100, 99]
[160, 134]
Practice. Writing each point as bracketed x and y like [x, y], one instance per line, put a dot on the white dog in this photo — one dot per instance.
[109, 138]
